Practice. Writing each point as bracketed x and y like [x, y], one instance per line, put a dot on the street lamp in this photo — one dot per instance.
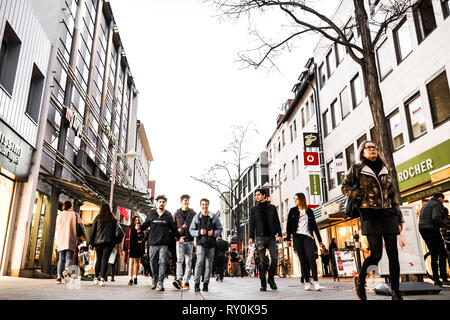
[130, 154]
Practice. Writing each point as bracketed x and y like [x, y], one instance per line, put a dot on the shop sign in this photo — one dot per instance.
[339, 164]
[345, 263]
[314, 184]
[311, 139]
[15, 153]
[417, 170]
[233, 247]
[311, 158]
[427, 192]
[409, 245]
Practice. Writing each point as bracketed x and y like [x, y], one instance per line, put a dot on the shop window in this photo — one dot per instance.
[384, 60]
[356, 90]
[345, 103]
[415, 117]
[396, 130]
[9, 58]
[350, 155]
[331, 175]
[424, 19]
[335, 115]
[439, 97]
[445, 8]
[35, 94]
[402, 41]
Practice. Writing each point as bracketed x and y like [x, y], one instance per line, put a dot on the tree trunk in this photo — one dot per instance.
[372, 88]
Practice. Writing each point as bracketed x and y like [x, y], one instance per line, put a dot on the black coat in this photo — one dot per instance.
[256, 222]
[292, 223]
[103, 232]
[162, 228]
[179, 221]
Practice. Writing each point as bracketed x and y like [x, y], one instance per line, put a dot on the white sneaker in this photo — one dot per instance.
[317, 286]
[307, 286]
[95, 282]
[101, 283]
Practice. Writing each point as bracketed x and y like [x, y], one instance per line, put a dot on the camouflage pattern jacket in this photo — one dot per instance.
[373, 191]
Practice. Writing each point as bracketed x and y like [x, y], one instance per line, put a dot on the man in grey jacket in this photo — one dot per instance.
[431, 219]
[206, 227]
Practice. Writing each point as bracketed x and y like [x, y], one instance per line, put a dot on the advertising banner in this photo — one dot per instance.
[409, 245]
[314, 184]
[311, 158]
[311, 139]
[345, 263]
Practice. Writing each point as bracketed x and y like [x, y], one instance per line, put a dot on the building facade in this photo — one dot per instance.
[24, 61]
[88, 121]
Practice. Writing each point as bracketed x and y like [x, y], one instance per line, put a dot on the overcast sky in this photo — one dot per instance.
[183, 58]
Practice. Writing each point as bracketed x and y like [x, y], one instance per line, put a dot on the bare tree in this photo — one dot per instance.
[304, 18]
[224, 175]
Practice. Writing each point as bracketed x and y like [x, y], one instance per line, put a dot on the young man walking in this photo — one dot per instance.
[264, 226]
[206, 227]
[183, 219]
[162, 228]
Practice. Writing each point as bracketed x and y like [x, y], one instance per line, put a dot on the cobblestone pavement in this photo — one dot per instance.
[246, 288]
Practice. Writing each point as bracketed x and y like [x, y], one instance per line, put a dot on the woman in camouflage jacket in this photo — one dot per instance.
[369, 182]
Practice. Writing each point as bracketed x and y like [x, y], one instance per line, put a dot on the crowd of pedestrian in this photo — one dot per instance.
[188, 244]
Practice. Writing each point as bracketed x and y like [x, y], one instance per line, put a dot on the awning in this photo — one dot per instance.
[331, 212]
[97, 191]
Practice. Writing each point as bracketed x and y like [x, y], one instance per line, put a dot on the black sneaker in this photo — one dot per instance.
[197, 287]
[153, 284]
[359, 289]
[438, 283]
[58, 281]
[272, 284]
[130, 282]
[445, 283]
[263, 289]
[177, 284]
[205, 286]
[135, 280]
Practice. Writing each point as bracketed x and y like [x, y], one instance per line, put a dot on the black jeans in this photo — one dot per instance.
[220, 265]
[101, 266]
[304, 245]
[436, 246]
[376, 251]
[263, 244]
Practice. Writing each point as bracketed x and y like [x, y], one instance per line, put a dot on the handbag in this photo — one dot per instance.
[80, 231]
[352, 204]
[118, 234]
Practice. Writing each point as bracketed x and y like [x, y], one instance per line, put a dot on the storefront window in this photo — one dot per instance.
[35, 256]
[6, 192]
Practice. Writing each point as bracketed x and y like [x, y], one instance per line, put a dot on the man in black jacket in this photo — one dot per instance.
[183, 218]
[264, 226]
[162, 229]
[431, 219]
[219, 257]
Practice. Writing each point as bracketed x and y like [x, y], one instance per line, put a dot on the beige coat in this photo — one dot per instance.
[66, 230]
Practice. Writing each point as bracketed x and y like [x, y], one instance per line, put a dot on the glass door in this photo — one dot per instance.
[6, 193]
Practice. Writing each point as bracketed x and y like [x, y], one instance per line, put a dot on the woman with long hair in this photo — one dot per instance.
[370, 183]
[302, 225]
[133, 248]
[102, 238]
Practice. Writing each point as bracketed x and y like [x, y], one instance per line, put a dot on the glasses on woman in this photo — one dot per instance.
[371, 148]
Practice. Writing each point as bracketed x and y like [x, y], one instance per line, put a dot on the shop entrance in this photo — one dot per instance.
[6, 193]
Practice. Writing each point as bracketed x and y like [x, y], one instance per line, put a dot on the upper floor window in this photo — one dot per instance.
[345, 103]
[331, 62]
[445, 8]
[35, 94]
[396, 131]
[416, 117]
[350, 155]
[402, 41]
[356, 91]
[424, 19]
[439, 97]
[326, 123]
[384, 60]
[335, 114]
[322, 76]
[9, 58]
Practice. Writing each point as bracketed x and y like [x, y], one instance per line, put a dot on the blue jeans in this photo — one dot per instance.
[66, 255]
[158, 265]
[184, 253]
[204, 257]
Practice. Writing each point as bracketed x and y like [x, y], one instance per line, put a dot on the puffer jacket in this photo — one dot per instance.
[432, 215]
[373, 191]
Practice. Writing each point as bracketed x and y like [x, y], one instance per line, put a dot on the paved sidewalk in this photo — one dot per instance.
[231, 289]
